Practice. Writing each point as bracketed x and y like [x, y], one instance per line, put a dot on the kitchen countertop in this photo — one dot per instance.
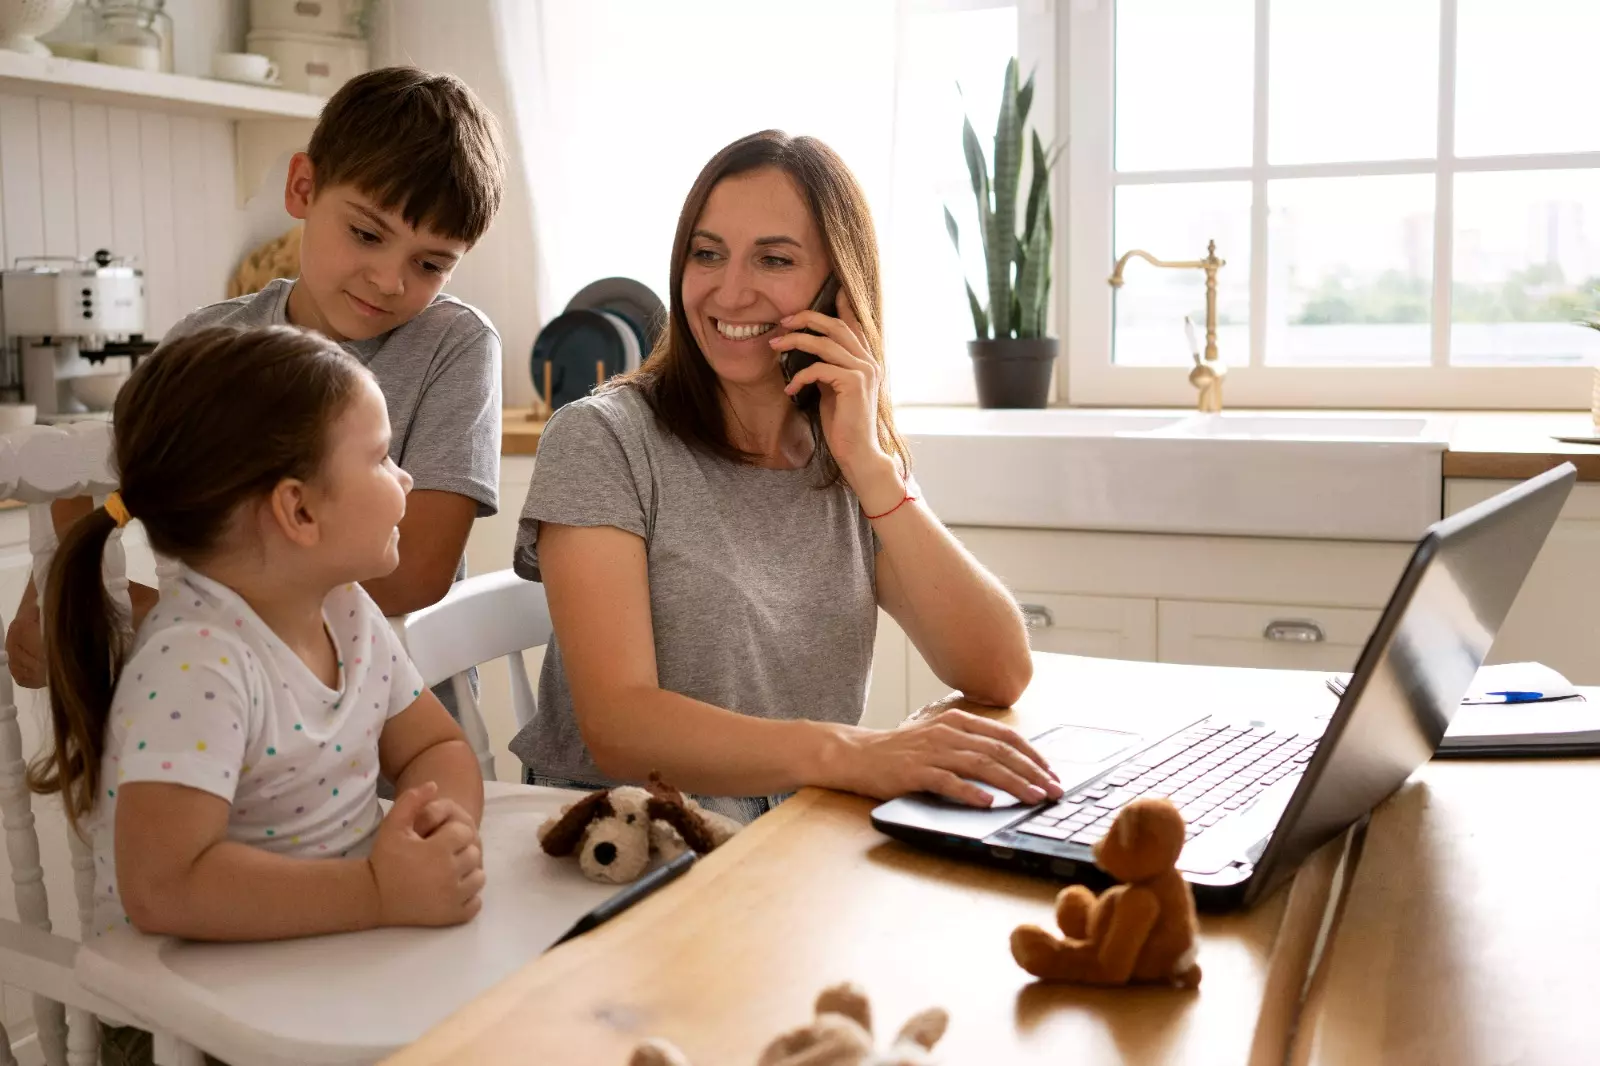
[1490, 444]
[1519, 445]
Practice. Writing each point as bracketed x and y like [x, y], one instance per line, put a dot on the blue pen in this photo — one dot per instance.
[1518, 697]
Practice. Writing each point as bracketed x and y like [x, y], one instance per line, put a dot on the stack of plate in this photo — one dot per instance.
[607, 329]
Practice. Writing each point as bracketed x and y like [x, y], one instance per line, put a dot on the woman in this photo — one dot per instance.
[715, 554]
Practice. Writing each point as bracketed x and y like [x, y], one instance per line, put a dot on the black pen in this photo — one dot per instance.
[629, 896]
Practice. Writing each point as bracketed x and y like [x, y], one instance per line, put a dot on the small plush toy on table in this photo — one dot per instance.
[840, 1035]
[615, 832]
[1143, 931]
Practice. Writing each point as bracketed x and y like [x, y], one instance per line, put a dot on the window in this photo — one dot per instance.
[1406, 194]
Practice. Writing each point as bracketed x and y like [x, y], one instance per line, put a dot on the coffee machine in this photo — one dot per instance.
[72, 330]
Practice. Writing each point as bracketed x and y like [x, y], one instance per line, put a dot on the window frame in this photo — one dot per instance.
[1087, 184]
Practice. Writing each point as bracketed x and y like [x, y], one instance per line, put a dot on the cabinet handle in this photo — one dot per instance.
[1037, 616]
[1294, 632]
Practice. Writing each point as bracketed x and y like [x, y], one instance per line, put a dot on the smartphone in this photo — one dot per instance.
[793, 361]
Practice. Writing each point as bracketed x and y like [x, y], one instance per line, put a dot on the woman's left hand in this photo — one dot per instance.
[849, 379]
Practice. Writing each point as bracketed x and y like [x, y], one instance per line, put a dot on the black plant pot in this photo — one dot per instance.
[1013, 372]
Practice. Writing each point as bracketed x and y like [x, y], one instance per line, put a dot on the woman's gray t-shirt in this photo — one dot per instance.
[762, 585]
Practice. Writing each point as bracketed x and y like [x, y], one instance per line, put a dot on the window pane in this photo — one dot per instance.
[1350, 271]
[1353, 80]
[1525, 76]
[1527, 263]
[1174, 222]
[1184, 77]
[927, 319]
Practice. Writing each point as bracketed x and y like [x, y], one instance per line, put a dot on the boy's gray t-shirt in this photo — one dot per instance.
[440, 376]
[762, 585]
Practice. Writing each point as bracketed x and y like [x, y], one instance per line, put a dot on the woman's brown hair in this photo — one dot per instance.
[209, 422]
[680, 384]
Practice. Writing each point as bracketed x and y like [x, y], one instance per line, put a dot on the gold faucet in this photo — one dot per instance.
[1207, 374]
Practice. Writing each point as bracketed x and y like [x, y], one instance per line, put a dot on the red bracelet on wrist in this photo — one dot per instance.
[903, 501]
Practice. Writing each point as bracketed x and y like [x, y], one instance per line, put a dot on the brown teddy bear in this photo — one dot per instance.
[1143, 931]
[841, 1035]
[616, 831]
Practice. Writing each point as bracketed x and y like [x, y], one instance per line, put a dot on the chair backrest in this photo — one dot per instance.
[481, 619]
[39, 465]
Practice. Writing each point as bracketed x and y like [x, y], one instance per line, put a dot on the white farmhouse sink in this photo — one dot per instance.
[1337, 476]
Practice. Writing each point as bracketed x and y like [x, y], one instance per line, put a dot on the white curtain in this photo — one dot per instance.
[619, 103]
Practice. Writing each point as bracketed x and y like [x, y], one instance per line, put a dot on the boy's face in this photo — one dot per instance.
[363, 270]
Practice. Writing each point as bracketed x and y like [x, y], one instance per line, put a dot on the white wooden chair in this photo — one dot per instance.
[322, 1001]
[38, 465]
[483, 618]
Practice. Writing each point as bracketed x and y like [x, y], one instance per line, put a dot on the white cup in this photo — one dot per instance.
[138, 56]
[250, 67]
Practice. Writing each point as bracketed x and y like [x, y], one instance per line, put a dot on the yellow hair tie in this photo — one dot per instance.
[117, 509]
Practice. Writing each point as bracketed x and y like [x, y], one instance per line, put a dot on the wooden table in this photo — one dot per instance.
[811, 894]
[1471, 929]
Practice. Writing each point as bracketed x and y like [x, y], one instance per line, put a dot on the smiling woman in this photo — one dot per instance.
[715, 553]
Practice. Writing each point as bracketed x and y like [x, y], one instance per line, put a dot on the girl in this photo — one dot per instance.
[226, 761]
[715, 547]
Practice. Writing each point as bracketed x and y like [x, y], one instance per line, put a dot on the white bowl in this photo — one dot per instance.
[16, 415]
[97, 392]
[22, 21]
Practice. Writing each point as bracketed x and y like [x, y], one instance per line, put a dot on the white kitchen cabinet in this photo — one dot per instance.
[1187, 599]
[1271, 636]
[1106, 627]
[1552, 620]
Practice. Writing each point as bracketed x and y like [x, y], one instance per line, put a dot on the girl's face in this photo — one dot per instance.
[755, 256]
[359, 495]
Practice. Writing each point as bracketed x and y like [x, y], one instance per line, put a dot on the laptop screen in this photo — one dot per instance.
[1417, 665]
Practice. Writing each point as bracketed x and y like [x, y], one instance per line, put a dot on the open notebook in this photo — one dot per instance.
[1517, 709]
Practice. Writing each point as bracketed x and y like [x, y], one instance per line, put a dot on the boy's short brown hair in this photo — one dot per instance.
[416, 142]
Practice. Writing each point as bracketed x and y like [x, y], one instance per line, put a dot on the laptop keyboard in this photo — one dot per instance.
[1209, 771]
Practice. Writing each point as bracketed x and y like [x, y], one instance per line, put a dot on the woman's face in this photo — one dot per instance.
[755, 256]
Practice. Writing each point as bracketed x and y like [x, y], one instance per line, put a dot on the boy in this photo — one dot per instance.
[403, 175]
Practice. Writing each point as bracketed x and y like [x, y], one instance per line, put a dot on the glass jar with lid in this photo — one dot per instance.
[134, 33]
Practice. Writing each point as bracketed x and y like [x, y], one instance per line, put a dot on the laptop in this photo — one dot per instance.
[1259, 799]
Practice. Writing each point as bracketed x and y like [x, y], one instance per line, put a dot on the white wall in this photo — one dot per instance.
[78, 177]
[499, 276]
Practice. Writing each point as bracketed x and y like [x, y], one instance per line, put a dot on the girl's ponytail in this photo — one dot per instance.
[85, 647]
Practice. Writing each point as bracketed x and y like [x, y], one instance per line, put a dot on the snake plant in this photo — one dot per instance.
[1018, 267]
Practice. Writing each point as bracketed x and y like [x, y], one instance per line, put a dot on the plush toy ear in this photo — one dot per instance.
[690, 826]
[563, 836]
[661, 790]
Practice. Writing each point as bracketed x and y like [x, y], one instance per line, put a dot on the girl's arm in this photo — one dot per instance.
[423, 743]
[596, 580]
[178, 875]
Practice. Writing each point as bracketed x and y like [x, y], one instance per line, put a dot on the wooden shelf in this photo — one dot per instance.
[101, 83]
[519, 434]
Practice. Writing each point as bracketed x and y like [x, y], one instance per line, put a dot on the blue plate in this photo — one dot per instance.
[582, 348]
[628, 299]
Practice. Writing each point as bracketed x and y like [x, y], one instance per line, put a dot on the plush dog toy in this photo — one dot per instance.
[841, 1035]
[616, 830]
[1143, 931]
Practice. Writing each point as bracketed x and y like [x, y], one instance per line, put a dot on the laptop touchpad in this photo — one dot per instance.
[1075, 752]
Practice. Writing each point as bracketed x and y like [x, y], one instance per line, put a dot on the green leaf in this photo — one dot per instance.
[978, 169]
[1030, 284]
[951, 228]
[1002, 249]
[1024, 101]
[980, 321]
[1038, 190]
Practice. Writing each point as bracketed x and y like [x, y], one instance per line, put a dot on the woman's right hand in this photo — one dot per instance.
[944, 754]
[435, 879]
